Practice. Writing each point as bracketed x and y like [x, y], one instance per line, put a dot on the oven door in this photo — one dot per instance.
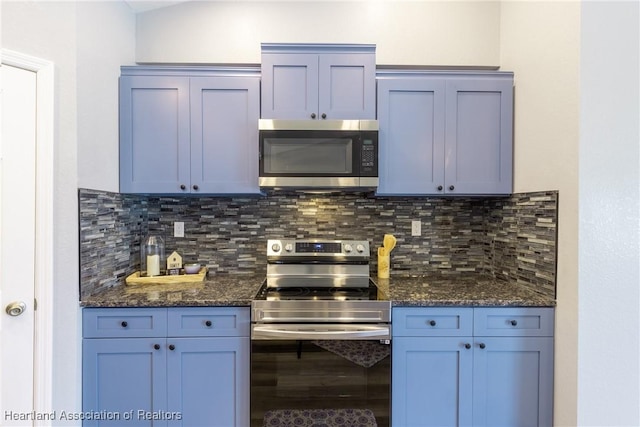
[330, 374]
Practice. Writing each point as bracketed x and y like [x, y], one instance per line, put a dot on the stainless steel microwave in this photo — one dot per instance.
[318, 154]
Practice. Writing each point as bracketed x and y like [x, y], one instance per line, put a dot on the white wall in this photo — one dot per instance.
[53, 31]
[405, 32]
[609, 232]
[106, 35]
[540, 42]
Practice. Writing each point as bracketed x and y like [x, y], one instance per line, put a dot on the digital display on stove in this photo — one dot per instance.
[318, 247]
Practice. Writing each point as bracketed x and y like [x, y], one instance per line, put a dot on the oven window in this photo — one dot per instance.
[308, 156]
[296, 381]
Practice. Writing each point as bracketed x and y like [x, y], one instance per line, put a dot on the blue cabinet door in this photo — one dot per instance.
[411, 136]
[124, 322]
[154, 134]
[442, 378]
[347, 86]
[513, 382]
[479, 136]
[290, 86]
[208, 382]
[208, 322]
[340, 84]
[445, 135]
[200, 378]
[124, 377]
[431, 381]
[224, 135]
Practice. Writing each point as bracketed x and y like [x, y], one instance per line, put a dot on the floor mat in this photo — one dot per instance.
[320, 418]
[363, 353]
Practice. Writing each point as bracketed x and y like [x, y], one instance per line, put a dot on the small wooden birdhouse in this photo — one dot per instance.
[174, 263]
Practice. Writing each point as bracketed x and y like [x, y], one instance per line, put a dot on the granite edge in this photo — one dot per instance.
[176, 299]
[471, 303]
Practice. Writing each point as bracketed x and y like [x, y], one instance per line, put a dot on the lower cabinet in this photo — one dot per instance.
[166, 367]
[472, 367]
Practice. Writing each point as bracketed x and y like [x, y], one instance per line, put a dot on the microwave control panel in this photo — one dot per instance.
[368, 156]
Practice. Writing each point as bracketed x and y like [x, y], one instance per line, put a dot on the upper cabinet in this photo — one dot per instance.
[154, 134]
[318, 81]
[193, 130]
[445, 133]
[189, 131]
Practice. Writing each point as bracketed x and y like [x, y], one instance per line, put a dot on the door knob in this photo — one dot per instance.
[16, 308]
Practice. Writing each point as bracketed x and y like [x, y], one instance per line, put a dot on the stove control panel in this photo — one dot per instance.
[320, 248]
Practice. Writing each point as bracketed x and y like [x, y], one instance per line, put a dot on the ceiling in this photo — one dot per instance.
[145, 5]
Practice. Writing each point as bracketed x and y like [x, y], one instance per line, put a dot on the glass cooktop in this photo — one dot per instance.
[342, 293]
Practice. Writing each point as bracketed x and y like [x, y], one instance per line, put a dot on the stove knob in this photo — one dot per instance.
[288, 247]
[275, 247]
[348, 248]
[360, 248]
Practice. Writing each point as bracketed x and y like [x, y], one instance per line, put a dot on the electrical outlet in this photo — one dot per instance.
[178, 229]
[416, 228]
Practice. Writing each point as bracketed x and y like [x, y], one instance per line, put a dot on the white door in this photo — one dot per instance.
[17, 245]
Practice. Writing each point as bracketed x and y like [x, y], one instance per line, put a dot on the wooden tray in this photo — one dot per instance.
[135, 279]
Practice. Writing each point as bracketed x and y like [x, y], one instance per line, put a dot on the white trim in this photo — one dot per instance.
[45, 130]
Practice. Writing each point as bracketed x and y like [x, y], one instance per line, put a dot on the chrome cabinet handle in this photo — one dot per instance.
[16, 308]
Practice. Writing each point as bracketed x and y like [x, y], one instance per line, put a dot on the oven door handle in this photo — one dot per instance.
[320, 332]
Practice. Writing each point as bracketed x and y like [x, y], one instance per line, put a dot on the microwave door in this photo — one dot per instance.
[309, 158]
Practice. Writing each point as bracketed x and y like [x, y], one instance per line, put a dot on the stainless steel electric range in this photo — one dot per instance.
[320, 332]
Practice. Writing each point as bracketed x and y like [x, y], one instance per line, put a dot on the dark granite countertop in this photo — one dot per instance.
[463, 290]
[239, 290]
[219, 290]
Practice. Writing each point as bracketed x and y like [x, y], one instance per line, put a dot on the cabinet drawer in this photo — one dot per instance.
[514, 322]
[433, 322]
[124, 322]
[208, 322]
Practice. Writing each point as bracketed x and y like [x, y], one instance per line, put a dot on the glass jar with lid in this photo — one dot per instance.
[152, 259]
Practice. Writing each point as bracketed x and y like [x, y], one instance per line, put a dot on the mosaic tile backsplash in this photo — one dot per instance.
[509, 238]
